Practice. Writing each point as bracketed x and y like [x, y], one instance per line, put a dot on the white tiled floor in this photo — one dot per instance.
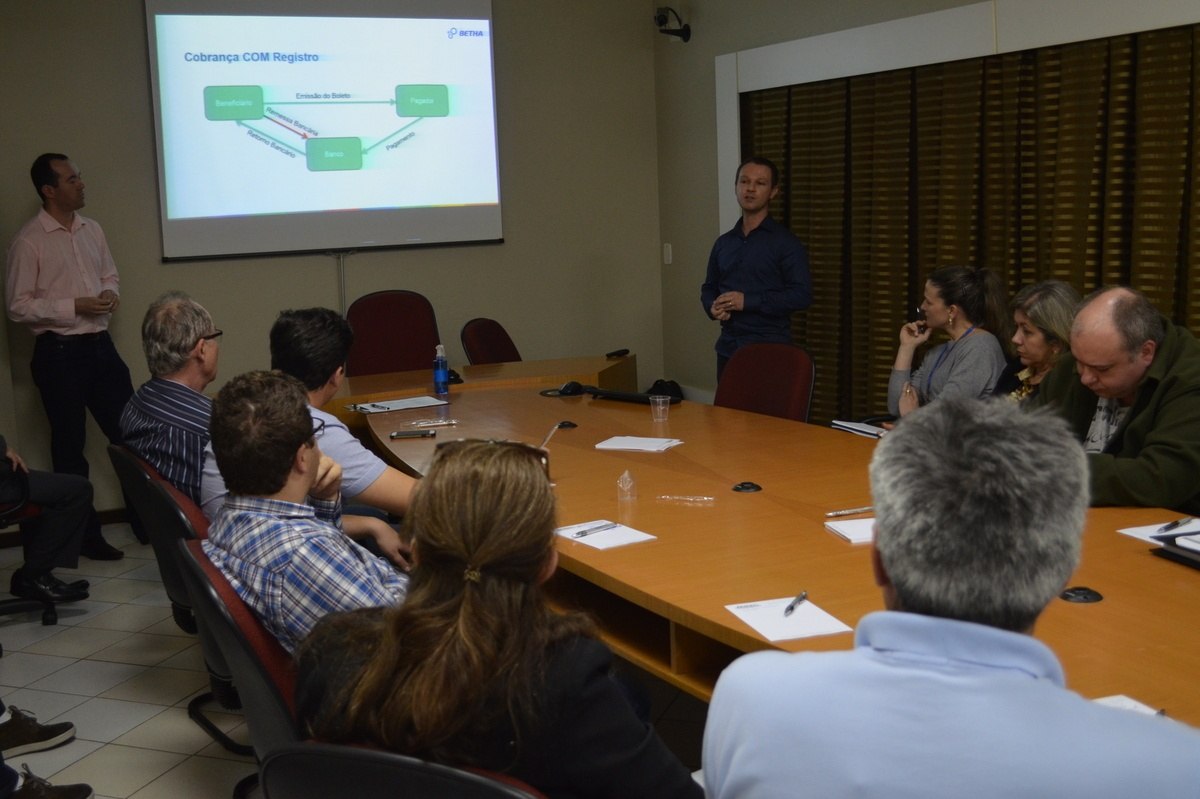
[119, 669]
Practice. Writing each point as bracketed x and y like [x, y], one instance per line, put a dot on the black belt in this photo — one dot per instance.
[78, 338]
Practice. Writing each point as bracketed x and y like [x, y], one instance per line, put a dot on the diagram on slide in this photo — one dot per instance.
[297, 126]
[279, 115]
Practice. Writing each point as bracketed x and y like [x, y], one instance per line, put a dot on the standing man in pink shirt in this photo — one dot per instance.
[62, 283]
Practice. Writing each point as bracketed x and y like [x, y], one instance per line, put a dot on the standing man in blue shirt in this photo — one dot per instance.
[758, 271]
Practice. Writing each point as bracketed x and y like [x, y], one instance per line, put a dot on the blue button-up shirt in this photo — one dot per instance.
[770, 268]
[292, 564]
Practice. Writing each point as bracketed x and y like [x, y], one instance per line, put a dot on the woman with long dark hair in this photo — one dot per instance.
[968, 304]
[475, 669]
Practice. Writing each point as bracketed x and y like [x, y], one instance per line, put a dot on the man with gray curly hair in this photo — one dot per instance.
[166, 420]
[979, 516]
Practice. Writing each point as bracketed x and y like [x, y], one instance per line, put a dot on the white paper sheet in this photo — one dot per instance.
[859, 429]
[638, 444]
[1145, 531]
[856, 531]
[767, 618]
[397, 405]
[617, 536]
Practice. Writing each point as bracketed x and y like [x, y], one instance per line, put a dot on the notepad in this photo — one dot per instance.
[856, 531]
[767, 619]
[397, 405]
[616, 535]
[638, 444]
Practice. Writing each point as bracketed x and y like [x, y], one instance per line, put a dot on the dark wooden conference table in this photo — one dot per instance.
[661, 604]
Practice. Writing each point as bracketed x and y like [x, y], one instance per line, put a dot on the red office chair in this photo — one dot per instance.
[317, 771]
[769, 378]
[394, 331]
[486, 341]
[262, 668]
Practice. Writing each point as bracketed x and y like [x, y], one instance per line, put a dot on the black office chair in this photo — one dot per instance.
[262, 668]
[319, 771]
[15, 512]
[170, 516]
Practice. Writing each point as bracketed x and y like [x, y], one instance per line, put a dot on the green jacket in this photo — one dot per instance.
[1153, 459]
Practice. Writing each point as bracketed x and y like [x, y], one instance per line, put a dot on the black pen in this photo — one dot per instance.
[795, 603]
[1166, 528]
[412, 434]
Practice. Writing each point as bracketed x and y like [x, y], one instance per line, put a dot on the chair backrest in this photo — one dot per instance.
[394, 331]
[262, 669]
[486, 341]
[775, 379]
[163, 520]
[316, 770]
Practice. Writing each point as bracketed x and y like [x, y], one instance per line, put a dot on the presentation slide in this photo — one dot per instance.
[297, 133]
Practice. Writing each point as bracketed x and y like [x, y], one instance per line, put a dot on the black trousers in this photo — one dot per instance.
[52, 538]
[77, 374]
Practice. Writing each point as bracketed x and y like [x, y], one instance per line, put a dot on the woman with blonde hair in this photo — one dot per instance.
[475, 669]
[1042, 315]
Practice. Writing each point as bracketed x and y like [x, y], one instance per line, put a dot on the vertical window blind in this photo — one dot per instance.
[1076, 162]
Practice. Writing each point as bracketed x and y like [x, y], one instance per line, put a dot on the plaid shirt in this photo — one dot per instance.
[292, 564]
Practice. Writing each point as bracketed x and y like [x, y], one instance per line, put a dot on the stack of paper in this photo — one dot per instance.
[856, 531]
[858, 428]
[639, 444]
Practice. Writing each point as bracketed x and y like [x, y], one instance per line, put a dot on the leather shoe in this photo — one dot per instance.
[74, 585]
[42, 588]
[99, 549]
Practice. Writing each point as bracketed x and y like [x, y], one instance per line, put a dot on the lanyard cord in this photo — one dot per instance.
[941, 357]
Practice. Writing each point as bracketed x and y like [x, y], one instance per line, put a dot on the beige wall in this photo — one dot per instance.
[687, 144]
[577, 274]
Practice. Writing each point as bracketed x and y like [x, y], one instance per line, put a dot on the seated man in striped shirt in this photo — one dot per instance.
[278, 537]
[166, 421]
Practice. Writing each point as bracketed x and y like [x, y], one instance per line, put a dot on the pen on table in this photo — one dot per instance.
[434, 423]
[849, 511]
[795, 603]
[599, 528]
[1166, 528]
[412, 434]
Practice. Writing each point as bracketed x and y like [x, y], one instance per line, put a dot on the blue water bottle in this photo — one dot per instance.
[441, 372]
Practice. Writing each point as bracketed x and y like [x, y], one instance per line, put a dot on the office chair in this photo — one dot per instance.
[394, 331]
[262, 668]
[318, 771]
[16, 512]
[486, 341]
[770, 378]
[169, 516]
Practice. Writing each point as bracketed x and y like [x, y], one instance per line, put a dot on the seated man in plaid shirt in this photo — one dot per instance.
[278, 538]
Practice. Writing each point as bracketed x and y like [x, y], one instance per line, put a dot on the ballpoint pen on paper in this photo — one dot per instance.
[833, 514]
[1166, 528]
[599, 528]
[795, 603]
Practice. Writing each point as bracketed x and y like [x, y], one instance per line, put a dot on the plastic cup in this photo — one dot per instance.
[660, 406]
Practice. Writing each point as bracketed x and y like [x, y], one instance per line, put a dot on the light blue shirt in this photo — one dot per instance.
[360, 466]
[927, 707]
